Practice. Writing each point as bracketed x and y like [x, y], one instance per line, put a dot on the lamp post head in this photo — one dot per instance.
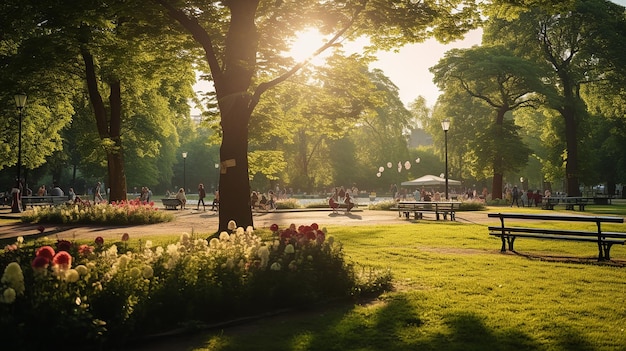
[184, 155]
[20, 100]
[445, 124]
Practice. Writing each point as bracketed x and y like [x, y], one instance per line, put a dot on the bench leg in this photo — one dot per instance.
[503, 249]
[511, 240]
[604, 251]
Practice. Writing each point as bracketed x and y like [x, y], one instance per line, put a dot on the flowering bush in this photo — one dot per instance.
[95, 294]
[115, 213]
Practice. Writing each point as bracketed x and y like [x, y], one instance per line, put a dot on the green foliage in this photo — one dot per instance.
[472, 206]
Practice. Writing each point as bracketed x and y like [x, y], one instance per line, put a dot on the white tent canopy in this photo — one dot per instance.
[430, 180]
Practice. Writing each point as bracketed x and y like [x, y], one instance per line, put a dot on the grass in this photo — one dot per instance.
[456, 291]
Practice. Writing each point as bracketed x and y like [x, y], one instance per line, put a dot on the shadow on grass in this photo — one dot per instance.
[395, 324]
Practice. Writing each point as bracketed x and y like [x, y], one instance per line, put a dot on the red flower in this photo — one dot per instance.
[99, 241]
[315, 226]
[41, 229]
[62, 259]
[125, 237]
[311, 234]
[40, 262]
[45, 251]
[63, 245]
[274, 227]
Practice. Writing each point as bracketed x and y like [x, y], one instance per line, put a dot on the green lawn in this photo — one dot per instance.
[456, 291]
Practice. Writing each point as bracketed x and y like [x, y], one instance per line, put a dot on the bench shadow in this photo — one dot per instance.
[570, 259]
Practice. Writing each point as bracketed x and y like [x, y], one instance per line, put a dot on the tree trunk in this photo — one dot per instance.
[234, 182]
[496, 185]
[236, 107]
[108, 128]
[571, 163]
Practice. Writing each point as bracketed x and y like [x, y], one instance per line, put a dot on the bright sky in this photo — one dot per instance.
[408, 68]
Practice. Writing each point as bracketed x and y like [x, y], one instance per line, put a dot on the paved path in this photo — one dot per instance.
[207, 222]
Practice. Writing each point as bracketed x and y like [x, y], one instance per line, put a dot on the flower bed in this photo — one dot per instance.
[115, 213]
[97, 294]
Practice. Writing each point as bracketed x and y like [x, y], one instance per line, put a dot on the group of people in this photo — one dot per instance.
[341, 195]
[527, 198]
[262, 201]
[182, 197]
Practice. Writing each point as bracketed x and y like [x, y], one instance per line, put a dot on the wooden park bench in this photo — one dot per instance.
[171, 203]
[418, 208]
[45, 200]
[604, 240]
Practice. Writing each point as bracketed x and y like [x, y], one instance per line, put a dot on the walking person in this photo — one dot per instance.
[201, 196]
[97, 197]
[216, 201]
[515, 196]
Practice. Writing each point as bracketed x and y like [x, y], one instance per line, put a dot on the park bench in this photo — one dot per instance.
[604, 240]
[418, 208]
[45, 200]
[570, 202]
[171, 203]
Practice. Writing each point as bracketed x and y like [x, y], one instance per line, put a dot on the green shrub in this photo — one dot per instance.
[382, 205]
[472, 206]
[287, 204]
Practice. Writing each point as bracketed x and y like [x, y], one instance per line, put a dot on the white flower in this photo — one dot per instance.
[289, 249]
[82, 270]
[148, 244]
[275, 266]
[147, 272]
[14, 277]
[8, 296]
[264, 255]
[71, 276]
[135, 272]
[20, 239]
[224, 236]
[232, 225]
[214, 243]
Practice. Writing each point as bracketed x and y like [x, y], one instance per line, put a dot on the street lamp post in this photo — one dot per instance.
[445, 125]
[184, 172]
[20, 102]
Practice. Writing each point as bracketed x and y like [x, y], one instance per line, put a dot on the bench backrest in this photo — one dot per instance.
[550, 217]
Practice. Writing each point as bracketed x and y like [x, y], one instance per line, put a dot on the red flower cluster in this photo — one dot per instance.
[309, 232]
[46, 255]
[99, 241]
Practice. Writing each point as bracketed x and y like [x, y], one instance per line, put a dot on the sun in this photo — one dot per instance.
[305, 44]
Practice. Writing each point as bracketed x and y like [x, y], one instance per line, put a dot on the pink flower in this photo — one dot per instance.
[274, 227]
[40, 263]
[125, 237]
[46, 252]
[62, 259]
[99, 241]
[63, 245]
[85, 249]
[11, 247]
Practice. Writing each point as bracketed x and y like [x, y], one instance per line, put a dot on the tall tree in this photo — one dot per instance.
[503, 82]
[576, 40]
[242, 37]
